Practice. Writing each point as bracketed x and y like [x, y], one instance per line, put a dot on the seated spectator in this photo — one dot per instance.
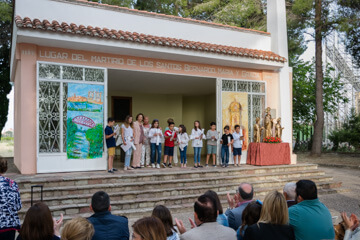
[289, 193]
[352, 229]
[237, 204]
[273, 222]
[164, 215]
[148, 228]
[77, 229]
[310, 218]
[106, 225]
[250, 216]
[9, 206]
[221, 218]
[205, 225]
[39, 224]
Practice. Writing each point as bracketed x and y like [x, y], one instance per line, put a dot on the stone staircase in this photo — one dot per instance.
[135, 193]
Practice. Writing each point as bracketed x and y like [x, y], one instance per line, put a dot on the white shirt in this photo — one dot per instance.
[184, 139]
[237, 142]
[153, 138]
[128, 131]
[194, 135]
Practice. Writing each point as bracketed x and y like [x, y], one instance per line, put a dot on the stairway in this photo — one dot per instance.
[135, 193]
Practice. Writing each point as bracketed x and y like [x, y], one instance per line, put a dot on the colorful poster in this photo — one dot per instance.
[85, 121]
[235, 112]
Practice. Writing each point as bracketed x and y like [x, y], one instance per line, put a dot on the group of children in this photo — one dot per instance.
[177, 137]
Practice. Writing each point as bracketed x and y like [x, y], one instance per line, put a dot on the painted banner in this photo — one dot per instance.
[235, 112]
[85, 121]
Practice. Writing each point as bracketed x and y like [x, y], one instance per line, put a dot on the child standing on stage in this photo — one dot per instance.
[197, 135]
[110, 143]
[145, 154]
[127, 135]
[170, 138]
[238, 141]
[183, 140]
[212, 137]
[226, 144]
[155, 135]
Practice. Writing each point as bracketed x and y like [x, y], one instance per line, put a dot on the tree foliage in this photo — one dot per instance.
[5, 39]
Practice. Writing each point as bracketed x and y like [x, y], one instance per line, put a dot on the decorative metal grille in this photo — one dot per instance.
[228, 85]
[94, 75]
[49, 71]
[258, 87]
[64, 102]
[72, 73]
[49, 117]
[243, 86]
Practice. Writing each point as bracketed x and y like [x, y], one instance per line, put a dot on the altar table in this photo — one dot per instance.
[267, 154]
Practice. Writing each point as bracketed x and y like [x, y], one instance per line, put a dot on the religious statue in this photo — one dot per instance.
[278, 128]
[257, 130]
[268, 123]
[235, 114]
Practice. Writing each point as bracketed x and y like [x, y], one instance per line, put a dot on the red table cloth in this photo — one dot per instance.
[266, 154]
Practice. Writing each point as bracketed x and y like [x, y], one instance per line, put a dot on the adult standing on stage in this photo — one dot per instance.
[138, 139]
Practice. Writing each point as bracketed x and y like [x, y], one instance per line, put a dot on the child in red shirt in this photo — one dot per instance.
[170, 137]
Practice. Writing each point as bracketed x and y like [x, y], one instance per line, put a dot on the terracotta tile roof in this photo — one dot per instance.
[178, 18]
[139, 38]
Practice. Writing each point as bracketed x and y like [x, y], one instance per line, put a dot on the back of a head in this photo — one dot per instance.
[100, 202]
[214, 195]
[38, 223]
[274, 209]
[306, 189]
[204, 207]
[78, 229]
[150, 228]
[251, 213]
[290, 190]
[3, 165]
[163, 213]
[246, 191]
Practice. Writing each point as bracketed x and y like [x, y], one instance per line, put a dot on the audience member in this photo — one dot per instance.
[148, 228]
[205, 226]
[310, 218]
[106, 225]
[39, 224]
[352, 229]
[250, 216]
[77, 229]
[10, 204]
[273, 222]
[238, 203]
[221, 218]
[289, 193]
[164, 215]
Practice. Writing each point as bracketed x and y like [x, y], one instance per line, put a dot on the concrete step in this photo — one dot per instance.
[146, 175]
[121, 186]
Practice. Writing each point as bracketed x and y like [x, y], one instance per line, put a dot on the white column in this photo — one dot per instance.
[276, 25]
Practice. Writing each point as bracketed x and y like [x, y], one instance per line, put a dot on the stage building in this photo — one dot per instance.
[74, 63]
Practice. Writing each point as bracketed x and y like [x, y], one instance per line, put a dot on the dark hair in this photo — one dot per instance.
[110, 119]
[170, 120]
[164, 215]
[244, 195]
[237, 126]
[204, 207]
[250, 215]
[183, 128]
[154, 121]
[38, 223]
[127, 124]
[171, 123]
[150, 228]
[212, 123]
[218, 206]
[137, 116]
[306, 189]
[226, 127]
[100, 202]
[3, 165]
[199, 125]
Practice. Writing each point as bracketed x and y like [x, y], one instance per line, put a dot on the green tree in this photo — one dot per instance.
[95, 137]
[5, 39]
[304, 88]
